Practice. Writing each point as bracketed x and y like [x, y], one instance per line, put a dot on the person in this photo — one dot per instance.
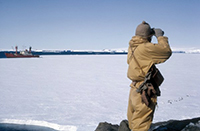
[142, 54]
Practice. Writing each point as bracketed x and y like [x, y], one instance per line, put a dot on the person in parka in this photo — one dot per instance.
[142, 54]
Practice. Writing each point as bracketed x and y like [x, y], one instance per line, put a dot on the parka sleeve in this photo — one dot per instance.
[160, 52]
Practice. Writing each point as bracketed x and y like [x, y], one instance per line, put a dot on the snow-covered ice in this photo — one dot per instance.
[76, 92]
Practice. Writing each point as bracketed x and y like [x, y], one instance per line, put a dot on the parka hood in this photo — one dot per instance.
[137, 40]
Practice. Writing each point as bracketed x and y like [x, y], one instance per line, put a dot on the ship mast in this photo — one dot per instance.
[16, 49]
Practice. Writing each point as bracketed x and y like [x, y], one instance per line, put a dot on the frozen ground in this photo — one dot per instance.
[72, 93]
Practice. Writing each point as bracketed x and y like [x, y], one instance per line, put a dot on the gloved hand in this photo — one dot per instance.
[158, 32]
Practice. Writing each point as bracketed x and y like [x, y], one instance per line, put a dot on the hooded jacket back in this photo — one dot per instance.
[146, 54]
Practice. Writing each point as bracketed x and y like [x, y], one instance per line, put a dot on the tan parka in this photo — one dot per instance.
[146, 54]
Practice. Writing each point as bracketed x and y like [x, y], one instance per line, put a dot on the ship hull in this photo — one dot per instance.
[10, 55]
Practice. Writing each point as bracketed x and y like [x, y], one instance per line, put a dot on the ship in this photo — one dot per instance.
[22, 54]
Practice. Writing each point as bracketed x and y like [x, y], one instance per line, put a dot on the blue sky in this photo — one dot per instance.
[95, 24]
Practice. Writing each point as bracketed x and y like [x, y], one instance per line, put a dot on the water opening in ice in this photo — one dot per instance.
[41, 123]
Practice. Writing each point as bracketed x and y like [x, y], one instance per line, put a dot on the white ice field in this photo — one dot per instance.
[76, 92]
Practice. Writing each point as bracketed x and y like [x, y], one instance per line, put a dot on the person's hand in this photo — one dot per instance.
[158, 32]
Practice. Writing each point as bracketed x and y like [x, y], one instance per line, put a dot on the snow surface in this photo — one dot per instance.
[76, 92]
